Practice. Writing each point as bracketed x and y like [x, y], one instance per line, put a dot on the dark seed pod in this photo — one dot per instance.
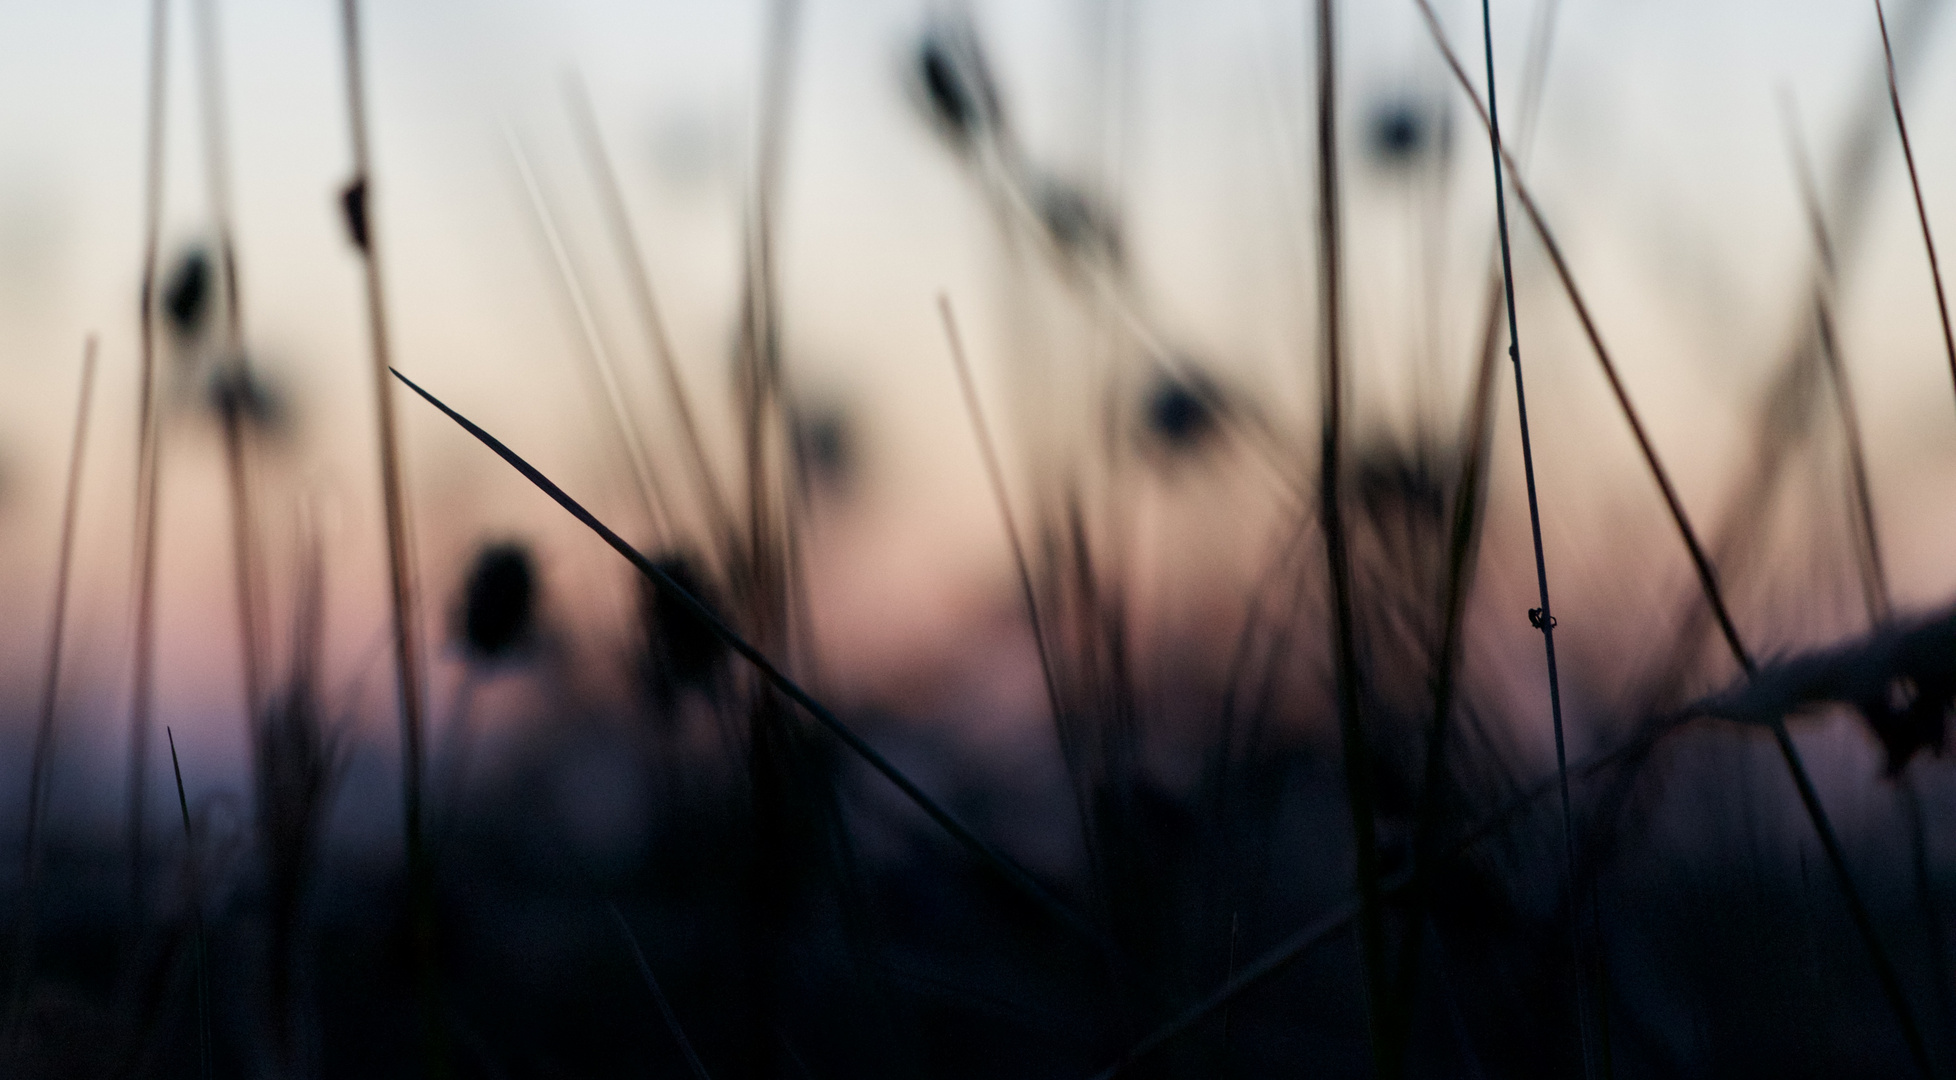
[1403, 132]
[353, 204]
[826, 446]
[682, 651]
[954, 83]
[1181, 413]
[187, 297]
[499, 601]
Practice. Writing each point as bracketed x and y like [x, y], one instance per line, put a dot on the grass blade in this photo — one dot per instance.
[358, 203]
[611, 201]
[197, 914]
[1543, 618]
[1803, 782]
[1915, 184]
[1357, 752]
[1068, 738]
[147, 469]
[1005, 867]
[659, 996]
[37, 778]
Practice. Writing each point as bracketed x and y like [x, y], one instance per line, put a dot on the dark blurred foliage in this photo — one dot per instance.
[499, 601]
[681, 651]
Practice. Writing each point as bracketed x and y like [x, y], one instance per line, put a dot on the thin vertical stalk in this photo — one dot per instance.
[1351, 720]
[148, 470]
[39, 762]
[1874, 573]
[1915, 185]
[1543, 618]
[233, 367]
[596, 354]
[359, 205]
[1063, 729]
[612, 203]
[1468, 514]
[1796, 767]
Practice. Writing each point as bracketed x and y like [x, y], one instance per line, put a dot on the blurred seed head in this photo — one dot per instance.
[353, 208]
[825, 443]
[953, 83]
[499, 602]
[682, 651]
[1079, 224]
[187, 294]
[237, 389]
[1405, 132]
[1182, 412]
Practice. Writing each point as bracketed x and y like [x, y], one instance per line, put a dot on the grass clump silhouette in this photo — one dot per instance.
[1312, 824]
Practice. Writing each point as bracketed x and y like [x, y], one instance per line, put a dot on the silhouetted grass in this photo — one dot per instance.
[1326, 843]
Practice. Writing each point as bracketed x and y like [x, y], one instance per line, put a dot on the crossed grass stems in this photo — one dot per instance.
[1819, 345]
[762, 394]
[1366, 910]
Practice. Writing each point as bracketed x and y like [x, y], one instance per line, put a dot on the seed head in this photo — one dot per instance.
[954, 83]
[682, 651]
[499, 601]
[1181, 412]
[187, 296]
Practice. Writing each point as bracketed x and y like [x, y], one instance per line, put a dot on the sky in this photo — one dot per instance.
[1661, 156]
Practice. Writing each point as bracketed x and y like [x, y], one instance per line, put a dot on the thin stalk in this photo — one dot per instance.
[1707, 575]
[37, 777]
[1351, 720]
[991, 857]
[1874, 573]
[147, 458]
[1322, 928]
[612, 202]
[659, 997]
[1463, 544]
[596, 354]
[232, 363]
[1543, 618]
[197, 917]
[359, 204]
[1803, 783]
[996, 475]
[770, 560]
[1915, 184]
